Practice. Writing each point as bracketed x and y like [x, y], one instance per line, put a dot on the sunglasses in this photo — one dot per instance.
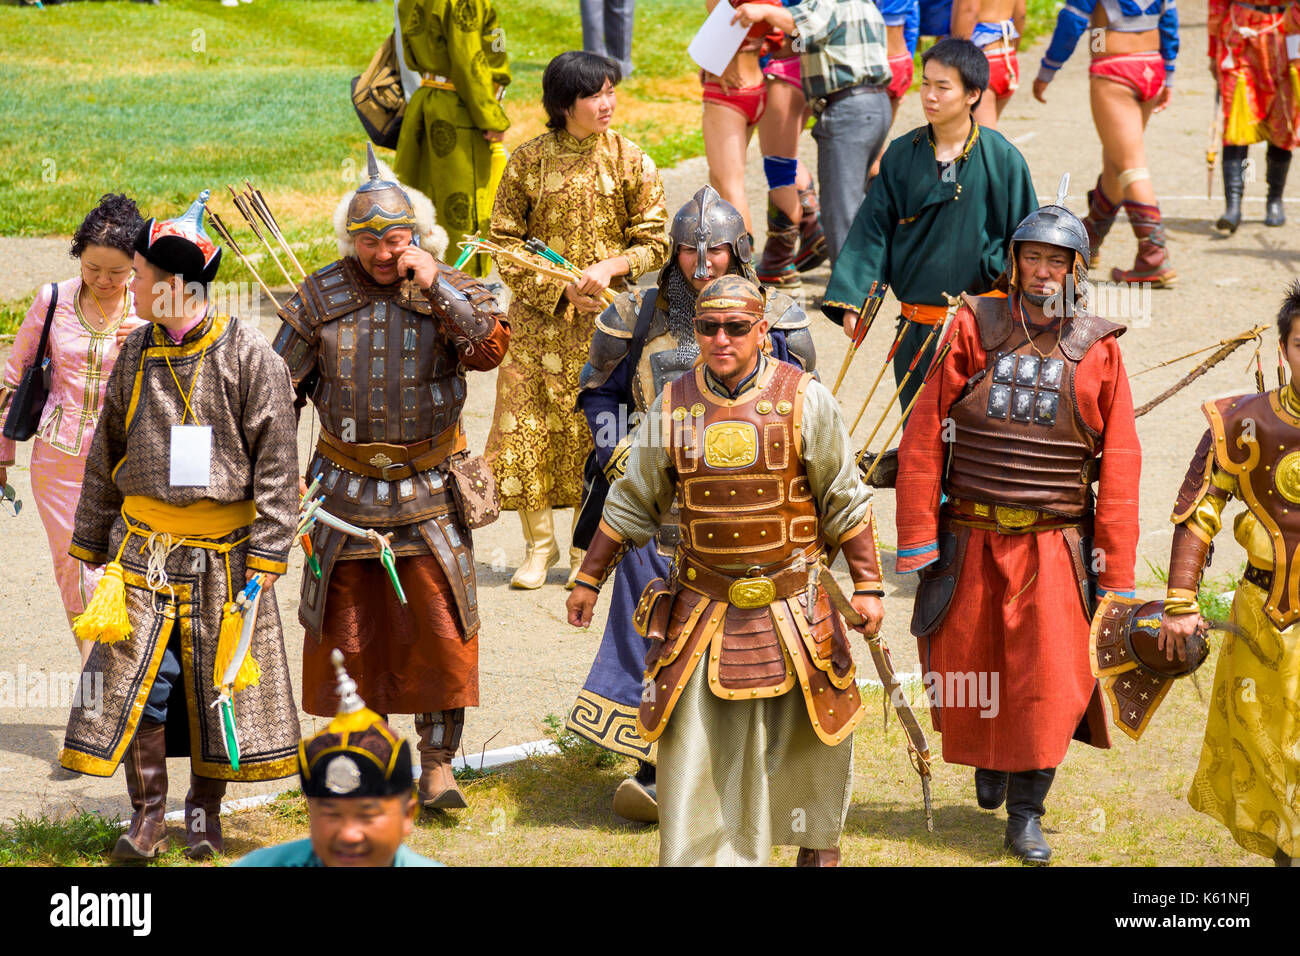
[734, 328]
[8, 494]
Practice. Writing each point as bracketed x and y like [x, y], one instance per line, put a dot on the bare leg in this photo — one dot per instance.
[778, 135]
[1121, 121]
[726, 140]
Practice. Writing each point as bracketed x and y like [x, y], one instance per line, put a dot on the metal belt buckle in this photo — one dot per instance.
[752, 591]
[1014, 518]
[384, 463]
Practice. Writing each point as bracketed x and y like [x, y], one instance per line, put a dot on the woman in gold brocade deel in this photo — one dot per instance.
[597, 200]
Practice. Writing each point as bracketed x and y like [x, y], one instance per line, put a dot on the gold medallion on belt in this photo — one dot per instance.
[1014, 518]
[752, 592]
[381, 461]
[1287, 477]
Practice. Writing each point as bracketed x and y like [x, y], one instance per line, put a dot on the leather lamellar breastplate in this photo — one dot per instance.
[386, 373]
[744, 494]
[1257, 440]
[1019, 439]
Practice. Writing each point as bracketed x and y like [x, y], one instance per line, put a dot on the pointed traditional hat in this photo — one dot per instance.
[180, 246]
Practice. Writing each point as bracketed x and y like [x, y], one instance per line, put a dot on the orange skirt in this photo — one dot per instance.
[405, 660]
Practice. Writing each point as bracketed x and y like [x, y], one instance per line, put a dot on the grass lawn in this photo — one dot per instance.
[1121, 807]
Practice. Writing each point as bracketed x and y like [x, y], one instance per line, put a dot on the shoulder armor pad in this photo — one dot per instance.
[329, 293]
[784, 313]
[992, 318]
[611, 339]
[1086, 331]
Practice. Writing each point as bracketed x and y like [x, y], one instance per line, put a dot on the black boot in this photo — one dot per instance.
[1234, 159]
[1277, 162]
[990, 788]
[1026, 792]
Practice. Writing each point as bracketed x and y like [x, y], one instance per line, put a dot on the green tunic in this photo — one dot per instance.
[925, 234]
[441, 150]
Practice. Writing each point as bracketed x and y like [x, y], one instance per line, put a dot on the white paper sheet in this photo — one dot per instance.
[718, 40]
[191, 456]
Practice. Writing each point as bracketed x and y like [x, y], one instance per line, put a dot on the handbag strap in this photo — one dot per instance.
[45, 330]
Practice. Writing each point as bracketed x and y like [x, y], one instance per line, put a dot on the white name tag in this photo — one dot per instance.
[191, 456]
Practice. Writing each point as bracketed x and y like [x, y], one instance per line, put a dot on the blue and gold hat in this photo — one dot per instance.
[180, 246]
[379, 204]
[357, 755]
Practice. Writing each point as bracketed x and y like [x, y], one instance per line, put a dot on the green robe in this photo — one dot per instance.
[924, 234]
[441, 150]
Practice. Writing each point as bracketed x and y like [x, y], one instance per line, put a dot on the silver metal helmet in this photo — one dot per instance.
[709, 220]
[1053, 224]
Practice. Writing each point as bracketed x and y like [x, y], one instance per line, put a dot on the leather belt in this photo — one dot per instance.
[820, 104]
[1007, 519]
[759, 587]
[436, 82]
[1260, 577]
[391, 462]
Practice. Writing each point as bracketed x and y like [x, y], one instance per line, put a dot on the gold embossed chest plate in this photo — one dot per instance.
[1287, 477]
[731, 444]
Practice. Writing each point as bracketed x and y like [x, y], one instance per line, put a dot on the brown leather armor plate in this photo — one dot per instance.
[1258, 441]
[742, 487]
[1019, 437]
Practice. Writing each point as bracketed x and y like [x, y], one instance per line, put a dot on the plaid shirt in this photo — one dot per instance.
[841, 44]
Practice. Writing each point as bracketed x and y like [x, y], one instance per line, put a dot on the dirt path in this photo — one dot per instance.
[532, 662]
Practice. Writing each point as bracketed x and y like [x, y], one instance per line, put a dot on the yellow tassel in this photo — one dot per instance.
[105, 619]
[1241, 127]
[1295, 84]
[250, 672]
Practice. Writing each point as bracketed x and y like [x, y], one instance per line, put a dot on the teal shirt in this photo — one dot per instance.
[299, 853]
[925, 235]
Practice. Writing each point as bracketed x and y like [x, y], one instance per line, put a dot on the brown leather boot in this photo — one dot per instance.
[145, 764]
[809, 857]
[203, 817]
[1101, 216]
[776, 267]
[439, 737]
[1152, 263]
[812, 240]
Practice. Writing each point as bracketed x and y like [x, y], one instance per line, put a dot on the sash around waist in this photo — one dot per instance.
[202, 519]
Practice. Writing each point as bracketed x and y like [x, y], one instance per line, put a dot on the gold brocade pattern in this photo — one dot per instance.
[588, 200]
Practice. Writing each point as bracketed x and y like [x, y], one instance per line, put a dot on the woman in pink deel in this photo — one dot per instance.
[94, 313]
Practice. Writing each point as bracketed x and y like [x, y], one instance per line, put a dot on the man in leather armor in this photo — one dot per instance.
[379, 342]
[1251, 756]
[642, 342]
[750, 687]
[1029, 407]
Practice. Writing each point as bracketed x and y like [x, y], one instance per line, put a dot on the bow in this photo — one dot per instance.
[541, 264]
[1223, 349]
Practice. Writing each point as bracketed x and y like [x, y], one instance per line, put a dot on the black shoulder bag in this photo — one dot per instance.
[30, 395]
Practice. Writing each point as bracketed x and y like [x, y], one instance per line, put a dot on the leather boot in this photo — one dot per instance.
[1152, 262]
[1026, 792]
[812, 240]
[439, 737]
[776, 267]
[203, 817]
[1234, 160]
[809, 857]
[1101, 216]
[990, 788]
[539, 532]
[636, 797]
[145, 763]
[1277, 163]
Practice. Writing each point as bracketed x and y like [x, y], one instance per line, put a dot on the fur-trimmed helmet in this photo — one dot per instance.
[382, 203]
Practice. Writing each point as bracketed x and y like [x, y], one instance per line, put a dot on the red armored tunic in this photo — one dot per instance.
[1014, 438]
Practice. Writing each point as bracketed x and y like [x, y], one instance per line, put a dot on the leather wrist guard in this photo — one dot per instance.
[1187, 560]
[467, 310]
[603, 554]
[862, 555]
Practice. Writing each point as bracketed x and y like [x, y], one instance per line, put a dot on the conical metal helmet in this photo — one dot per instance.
[1053, 224]
[709, 220]
[379, 204]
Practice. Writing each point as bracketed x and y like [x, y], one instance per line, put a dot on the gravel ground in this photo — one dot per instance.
[532, 663]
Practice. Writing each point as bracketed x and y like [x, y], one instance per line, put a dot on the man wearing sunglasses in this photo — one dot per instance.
[642, 342]
[750, 686]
